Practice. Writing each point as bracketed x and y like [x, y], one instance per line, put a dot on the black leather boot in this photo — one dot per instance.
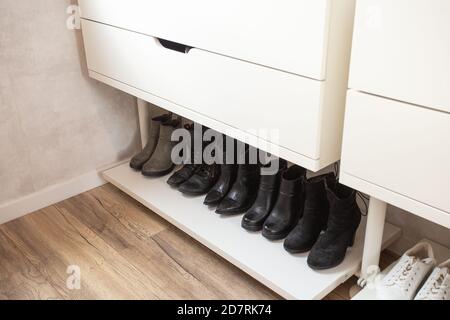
[202, 181]
[343, 222]
[182, 175]
[188, 169]
[288, 208]
[315, 215]
[267, 195]
[228, 173]
[243, 192]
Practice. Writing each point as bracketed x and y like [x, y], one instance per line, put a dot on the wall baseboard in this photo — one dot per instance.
[53, 194]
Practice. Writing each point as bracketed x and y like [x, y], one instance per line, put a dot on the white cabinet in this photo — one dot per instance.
[401, 50]
[272, 74]
[396, 145]
[214, 85]
[397, 129]
[402, 148]
[290, 36]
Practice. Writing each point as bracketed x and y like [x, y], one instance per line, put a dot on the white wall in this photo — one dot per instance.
[416, 229]
[55, 123]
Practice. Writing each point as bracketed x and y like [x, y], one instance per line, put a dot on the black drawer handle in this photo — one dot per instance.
[175, 46]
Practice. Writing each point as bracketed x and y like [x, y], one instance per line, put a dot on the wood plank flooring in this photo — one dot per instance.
[122, 250]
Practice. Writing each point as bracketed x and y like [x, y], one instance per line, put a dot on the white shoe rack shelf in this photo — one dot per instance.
[266, 261]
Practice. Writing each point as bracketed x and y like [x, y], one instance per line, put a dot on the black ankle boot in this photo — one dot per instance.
[343, 222]
[182, 175]
[219, 191]
[288, 208]
[267, 195]
[189, 168]
[243, 192]
[202, 181]
[315, 215]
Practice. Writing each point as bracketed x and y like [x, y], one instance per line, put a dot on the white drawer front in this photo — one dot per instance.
[290, 35]
[241, 94]
[401, 50]
[400, 147]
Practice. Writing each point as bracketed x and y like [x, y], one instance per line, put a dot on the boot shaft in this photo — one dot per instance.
[315, 189]
[156, 122]
[272, 182]
[167, 128]
[292, 181]
[344, 211]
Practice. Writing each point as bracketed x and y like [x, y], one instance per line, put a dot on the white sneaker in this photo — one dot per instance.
[437, 286]
[403, 281]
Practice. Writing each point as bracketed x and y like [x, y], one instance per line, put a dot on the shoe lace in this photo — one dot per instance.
[404, 272]
[365, 201]
[435, 285]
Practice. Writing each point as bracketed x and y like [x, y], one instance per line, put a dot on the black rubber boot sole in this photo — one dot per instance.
[212, 203]
[194, 193]
[275, 237]
[251, 227]
[157, 174]
[235, 211]
[296, 251]
[321, 268]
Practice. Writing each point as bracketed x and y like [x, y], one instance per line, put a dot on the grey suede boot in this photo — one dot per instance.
[160, 162]
[141, 158]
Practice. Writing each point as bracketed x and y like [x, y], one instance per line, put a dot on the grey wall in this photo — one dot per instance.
[55, 123]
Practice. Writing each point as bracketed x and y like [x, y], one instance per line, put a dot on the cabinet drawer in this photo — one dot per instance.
[241, 94]
[401, 50]
[400, 147]
[290, 36]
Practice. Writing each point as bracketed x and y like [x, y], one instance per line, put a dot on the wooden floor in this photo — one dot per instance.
[122, 250]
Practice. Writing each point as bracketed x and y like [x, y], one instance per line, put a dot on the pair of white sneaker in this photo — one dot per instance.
[416, 276]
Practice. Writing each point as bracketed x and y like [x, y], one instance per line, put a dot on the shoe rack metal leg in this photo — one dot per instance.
[374, 237]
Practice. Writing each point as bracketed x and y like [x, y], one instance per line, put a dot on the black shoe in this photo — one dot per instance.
[228, 173]
[202, 181]
[315, 215]
[343, 222]
[183, 175]
[288, 208]
[243, 192]
[267, 195]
